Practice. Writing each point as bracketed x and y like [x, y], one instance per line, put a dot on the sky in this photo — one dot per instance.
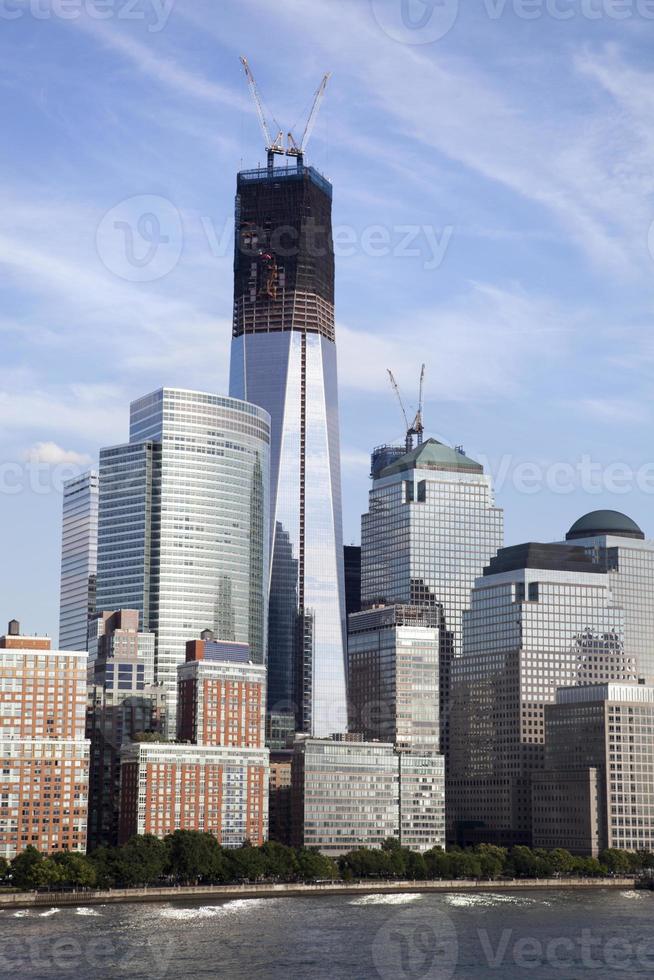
[493, 171]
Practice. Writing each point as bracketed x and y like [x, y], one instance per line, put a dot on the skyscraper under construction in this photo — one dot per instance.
[284, 359]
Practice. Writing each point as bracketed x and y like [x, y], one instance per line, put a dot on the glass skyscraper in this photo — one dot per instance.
[431, 528]
[79, 554]
[183, 523]
[541, 617]
[284, 359]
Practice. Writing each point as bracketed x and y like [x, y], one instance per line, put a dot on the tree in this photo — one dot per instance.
[415, 867]
[437, 864]
[246, 863]
[615, 860]
[22, 865]
[75, 869]
[314, 866]
[491, 860]
[193, 855]
[45, 874]
[561, 861]
[279, 861]
[142, 860]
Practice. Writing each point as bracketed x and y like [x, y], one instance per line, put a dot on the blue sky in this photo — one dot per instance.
[507, 147]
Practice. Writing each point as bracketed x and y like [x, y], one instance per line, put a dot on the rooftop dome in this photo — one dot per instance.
[604, 522]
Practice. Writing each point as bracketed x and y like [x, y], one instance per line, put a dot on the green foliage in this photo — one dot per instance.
[192, 857]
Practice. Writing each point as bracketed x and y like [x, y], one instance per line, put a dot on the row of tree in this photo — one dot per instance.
[191, 857]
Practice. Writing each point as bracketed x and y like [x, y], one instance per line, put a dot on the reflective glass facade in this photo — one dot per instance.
[529, 630]
[284, 359]
[79, 559]
[431, 528]
[183, 523]
[629, 564]
[393, 656]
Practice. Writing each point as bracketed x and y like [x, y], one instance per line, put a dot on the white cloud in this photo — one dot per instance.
[53, 455]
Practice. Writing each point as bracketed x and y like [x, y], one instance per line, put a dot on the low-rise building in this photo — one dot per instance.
[348, 794]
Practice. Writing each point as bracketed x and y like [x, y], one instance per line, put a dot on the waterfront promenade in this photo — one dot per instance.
[227, 892]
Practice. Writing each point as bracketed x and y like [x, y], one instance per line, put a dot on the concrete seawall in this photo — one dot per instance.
[227, 892]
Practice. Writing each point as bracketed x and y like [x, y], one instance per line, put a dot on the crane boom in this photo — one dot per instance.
[313, 115]
[396, 389]
[272, 145]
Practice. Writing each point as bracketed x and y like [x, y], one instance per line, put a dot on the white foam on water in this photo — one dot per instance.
[21, 914]
[632, 894]
[82, 910]
[48, 912]
[489, 899]
[401, 899]
[213, 911]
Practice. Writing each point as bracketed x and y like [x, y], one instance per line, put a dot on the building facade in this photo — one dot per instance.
[284, 359]
[541, 617]
[79, 560]
[167, 787]
[597, 787]
[348, 794]
[393, 667]
[617, 545]
[352, 564]
[431, 528]
[221, 701]
[123, 702]
[44, 755]
[215, 778]
[183, 524]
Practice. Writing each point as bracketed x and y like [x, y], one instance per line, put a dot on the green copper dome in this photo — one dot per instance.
[604, 522]
[433, 455]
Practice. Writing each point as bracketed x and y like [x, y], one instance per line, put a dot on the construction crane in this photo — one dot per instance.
[276, 146]
[298, 151]
[416, 428]
[273, 146]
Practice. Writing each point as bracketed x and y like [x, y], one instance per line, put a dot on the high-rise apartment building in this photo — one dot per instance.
[222, 696]
[284, 359]
[215, 777]
[597, 787]
[123, 702]
[431, 528]
[541, 617]
[44, 755]
[183, 524]
[79, 560]
[393, 664]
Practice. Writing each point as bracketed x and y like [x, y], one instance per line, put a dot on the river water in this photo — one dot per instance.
[562, 934]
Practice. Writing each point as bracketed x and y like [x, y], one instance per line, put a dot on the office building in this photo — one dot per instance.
[215, 778]
[44, 755]
[352, 565]
[284, 359]
[279, 797]
[597, 787]
[431, 528]
[123, 702]
[183, 524]
[619, 546]
[79, 560]
[347, 794]
[541, 617]
[393, 665]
